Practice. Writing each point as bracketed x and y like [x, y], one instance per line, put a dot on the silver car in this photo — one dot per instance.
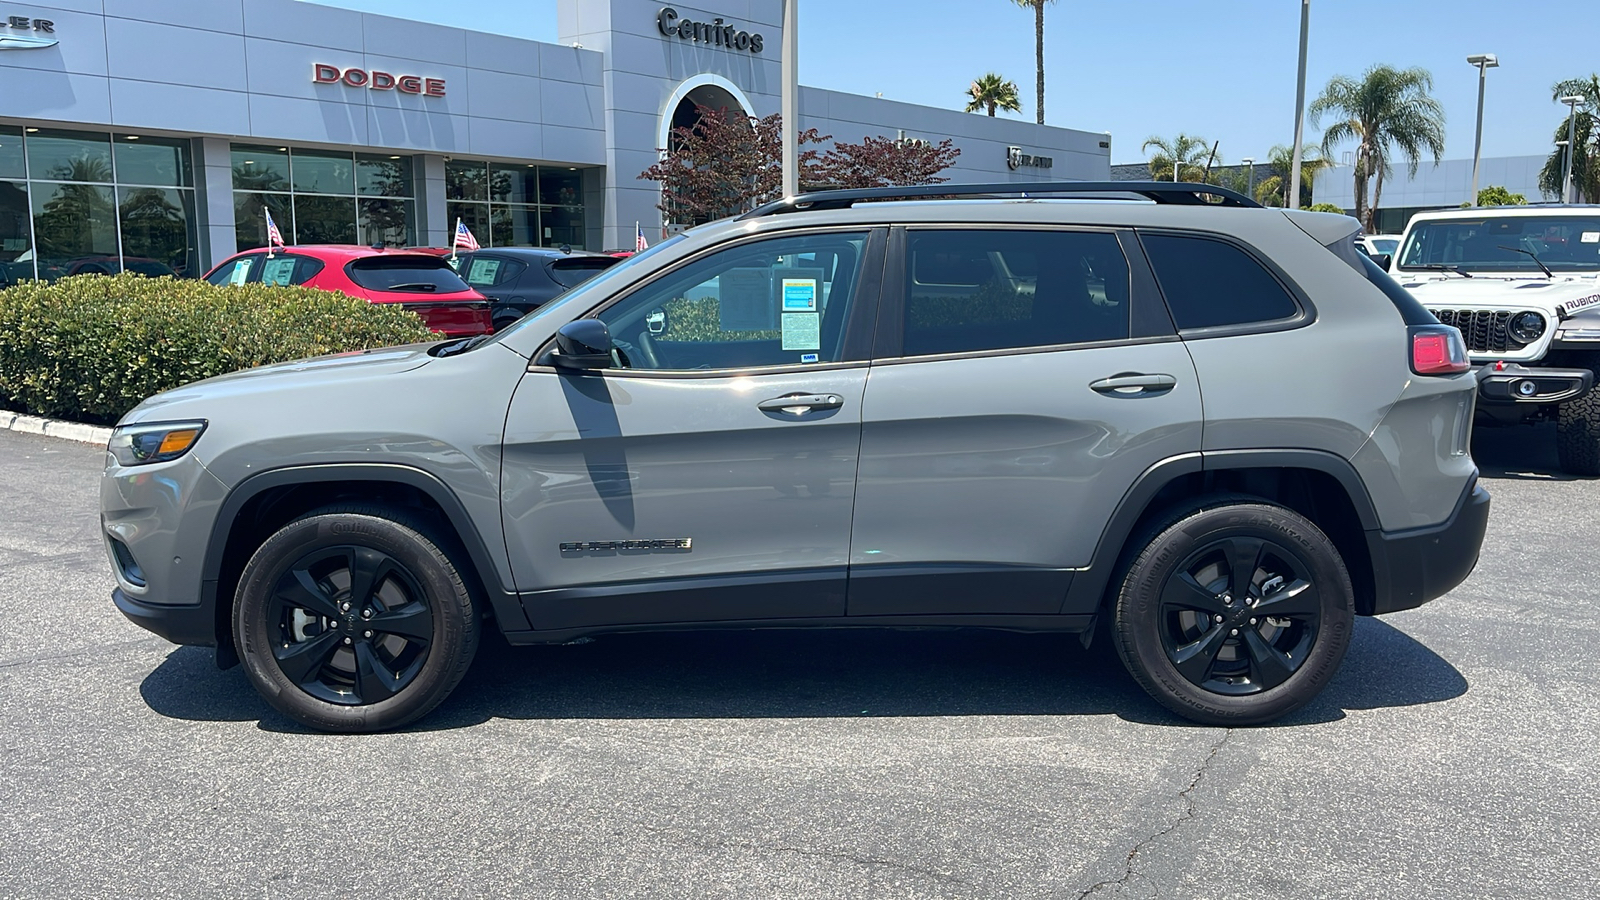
[1210, 431]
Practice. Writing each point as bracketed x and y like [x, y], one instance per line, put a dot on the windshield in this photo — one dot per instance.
[1564, 243]
[619, 272]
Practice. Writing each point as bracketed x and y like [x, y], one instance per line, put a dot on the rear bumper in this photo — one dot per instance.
[459, 318]
[192, 624]
[1414, 566]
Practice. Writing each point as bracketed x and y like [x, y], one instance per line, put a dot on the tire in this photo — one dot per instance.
[1578, 435]
[326, 656]
[1238, 559]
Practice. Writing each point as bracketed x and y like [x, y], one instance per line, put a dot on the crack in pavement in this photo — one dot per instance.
[1187, 814]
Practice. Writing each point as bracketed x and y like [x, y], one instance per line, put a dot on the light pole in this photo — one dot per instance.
[1250, 173]
[1299, 107]
[790, 133]
[1572, 103]
[1484, 62]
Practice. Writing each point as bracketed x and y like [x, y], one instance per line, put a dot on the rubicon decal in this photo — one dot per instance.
[322, 73]
[652, 544]
[1572, 306]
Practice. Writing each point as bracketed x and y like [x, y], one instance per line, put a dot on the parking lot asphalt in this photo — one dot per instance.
[1453, 756]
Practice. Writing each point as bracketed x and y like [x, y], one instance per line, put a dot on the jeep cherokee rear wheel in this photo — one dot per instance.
[1235, 613]
[354, 620]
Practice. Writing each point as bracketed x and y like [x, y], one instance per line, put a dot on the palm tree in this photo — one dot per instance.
[1389, 109]
[1586, 153]
[1190, 151]
[1038, 50]
[1273, 190]
[992, 92]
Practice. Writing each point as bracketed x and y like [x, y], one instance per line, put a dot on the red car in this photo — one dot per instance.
[424, 283]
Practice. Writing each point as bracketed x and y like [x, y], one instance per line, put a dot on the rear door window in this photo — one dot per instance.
[235, 271]
[974, 290]
[488, 271]
[1212, 284]
[408, 274]
[285, 269]
[576, 270]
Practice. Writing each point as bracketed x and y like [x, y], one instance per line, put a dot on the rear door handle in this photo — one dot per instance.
[1134, 384]
[800, 404]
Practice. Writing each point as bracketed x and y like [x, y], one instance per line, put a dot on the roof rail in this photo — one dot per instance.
[1174, 192]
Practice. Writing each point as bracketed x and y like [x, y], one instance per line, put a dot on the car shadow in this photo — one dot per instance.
[1519, 453]
[815, 674]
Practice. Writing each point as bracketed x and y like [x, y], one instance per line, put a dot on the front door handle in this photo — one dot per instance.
[1134, 384]
[800, 404]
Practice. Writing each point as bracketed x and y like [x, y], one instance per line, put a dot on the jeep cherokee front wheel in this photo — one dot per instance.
[1235, 613]
[354, 620]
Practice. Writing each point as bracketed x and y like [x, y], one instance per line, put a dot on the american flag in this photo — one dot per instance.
[464, 239]
[639, 243]
[274, 236]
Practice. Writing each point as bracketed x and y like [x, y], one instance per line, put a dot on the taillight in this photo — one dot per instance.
[1438, 350]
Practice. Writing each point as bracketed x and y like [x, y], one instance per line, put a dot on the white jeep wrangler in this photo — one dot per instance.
[1523, 285]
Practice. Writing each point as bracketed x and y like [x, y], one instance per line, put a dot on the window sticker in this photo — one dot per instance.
[277, 271]
[802, 331]
[241, 272]
[808, 357]
[1590, 237]
[483, 271]
[744, 298]
[799, 295]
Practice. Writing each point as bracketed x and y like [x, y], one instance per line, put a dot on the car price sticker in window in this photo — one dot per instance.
[240, 273]
[799, 295]
[483, 271]
[1590, 237]
[802, 331]
[277, 271]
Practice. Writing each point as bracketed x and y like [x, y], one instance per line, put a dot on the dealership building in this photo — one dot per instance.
[158, 133]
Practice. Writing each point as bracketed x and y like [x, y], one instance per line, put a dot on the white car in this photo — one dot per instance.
[1522, 283]
[1375, 245]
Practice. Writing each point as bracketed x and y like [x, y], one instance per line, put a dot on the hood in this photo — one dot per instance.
[1560, 296]
[300, 372]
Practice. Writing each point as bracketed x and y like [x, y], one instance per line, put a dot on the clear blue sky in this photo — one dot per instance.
[1221, 70]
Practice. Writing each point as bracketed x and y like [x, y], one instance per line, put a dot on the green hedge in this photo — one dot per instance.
[90, 347]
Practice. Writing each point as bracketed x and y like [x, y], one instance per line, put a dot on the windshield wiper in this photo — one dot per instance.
[460, 346]
[1440, 267]
[1533, 256]
[413, 286]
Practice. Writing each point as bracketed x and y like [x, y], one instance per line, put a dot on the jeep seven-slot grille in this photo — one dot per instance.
[1485, 330]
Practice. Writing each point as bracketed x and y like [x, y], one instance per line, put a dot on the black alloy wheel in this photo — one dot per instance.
[1239, 615]
[354, 619]
[1234, 612]
[351, 625]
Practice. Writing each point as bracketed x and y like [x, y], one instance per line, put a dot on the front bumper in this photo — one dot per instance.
[1414, 566]
[194, 625]
[1505, 384]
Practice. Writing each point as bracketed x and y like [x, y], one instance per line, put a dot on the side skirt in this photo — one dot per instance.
[1049, 623]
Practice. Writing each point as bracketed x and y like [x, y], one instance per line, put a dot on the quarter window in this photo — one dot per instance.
[1211, 284]
[776, 302]
[993, 290]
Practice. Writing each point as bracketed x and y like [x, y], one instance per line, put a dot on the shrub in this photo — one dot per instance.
[91, 347]
[1326, 207]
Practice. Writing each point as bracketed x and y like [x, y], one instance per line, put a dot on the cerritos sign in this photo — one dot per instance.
[713, 32]
[322, 73]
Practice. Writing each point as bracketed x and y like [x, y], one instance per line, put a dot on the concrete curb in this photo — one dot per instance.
[71, 431]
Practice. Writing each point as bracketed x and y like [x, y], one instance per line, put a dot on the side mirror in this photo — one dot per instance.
[1383, 260]
[583, 344]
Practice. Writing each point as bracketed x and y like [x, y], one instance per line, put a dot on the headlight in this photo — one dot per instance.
[153, 442]
[1527, 326]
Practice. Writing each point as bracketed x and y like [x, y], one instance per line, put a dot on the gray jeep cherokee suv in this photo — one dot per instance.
[1216, 429]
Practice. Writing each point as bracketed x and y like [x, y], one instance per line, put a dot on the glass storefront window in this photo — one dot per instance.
[386, 222]
[158, 231]
[260, 168]
[69, 156]
[75, 226]
[515, 226]
[513, 183]
[152, 161]
[323, 220]
[383, 176]
[559, 187]
[562, 225]
[16, 262]
[11, 162]
[323, 172]
[250, 221]
[466, 180]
